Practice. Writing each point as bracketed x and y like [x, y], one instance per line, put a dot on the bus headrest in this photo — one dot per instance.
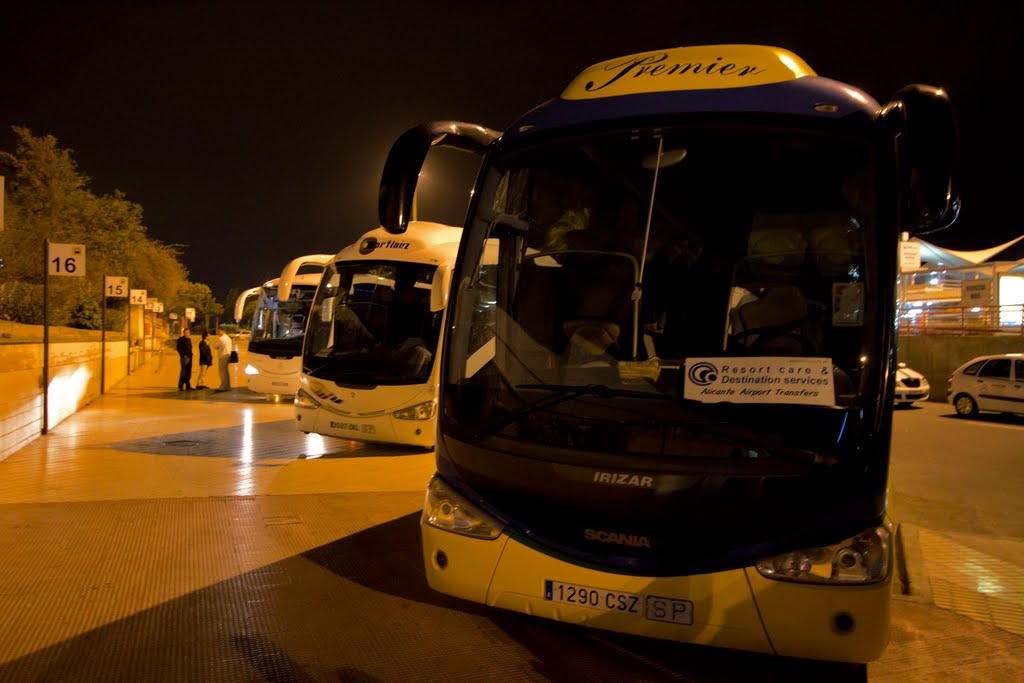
[778, 251]
[835, 246]
[779, 243]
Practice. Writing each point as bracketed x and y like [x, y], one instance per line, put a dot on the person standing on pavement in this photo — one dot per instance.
[205, 360]
[223, 359]
[184, 347]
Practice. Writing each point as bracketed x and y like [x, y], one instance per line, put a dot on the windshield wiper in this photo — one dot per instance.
[560, 393]
[310, 369]
[714, 428]
[602, 390]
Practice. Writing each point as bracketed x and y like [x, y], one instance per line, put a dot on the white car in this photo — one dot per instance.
[993, 382]
[911, 386]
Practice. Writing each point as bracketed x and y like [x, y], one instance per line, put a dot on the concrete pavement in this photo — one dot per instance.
[164, 535]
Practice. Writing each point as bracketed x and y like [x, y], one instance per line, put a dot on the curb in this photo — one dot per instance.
[913, 581]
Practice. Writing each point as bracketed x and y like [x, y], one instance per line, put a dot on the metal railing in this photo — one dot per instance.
[963, 321]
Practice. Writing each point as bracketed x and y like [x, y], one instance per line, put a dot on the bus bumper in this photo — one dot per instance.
[377, 429]
[840, 623]
[272, 383]
[737, 608]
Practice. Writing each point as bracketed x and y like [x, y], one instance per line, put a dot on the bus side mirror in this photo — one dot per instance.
[405, 161]
[923, 123]
[439, 287]
[241, 301]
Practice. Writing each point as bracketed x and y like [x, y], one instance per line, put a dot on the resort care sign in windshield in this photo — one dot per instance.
[806, 381]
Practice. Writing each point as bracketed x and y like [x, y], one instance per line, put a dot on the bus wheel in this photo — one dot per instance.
[965, 405]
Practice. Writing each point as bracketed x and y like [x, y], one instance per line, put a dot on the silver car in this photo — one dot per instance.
[993, 383]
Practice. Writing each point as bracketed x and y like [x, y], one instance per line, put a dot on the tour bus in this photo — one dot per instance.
[369, 369]
[665, 408]
[278, 326]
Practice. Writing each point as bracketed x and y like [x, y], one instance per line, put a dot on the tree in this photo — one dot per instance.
[49, 198]
[86, 314]
[197, 296]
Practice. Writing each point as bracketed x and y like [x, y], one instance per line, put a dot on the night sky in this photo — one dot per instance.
[256, 132]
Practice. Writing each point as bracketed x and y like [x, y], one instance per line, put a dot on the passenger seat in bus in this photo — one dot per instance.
[773, 314]
[776, 253]
[835, 245]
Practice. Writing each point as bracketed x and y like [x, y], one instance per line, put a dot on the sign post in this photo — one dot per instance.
[135, 297]
[910, 261]
[157, 307]
[147, 344]
[910, 256]
[114, 286]
[65, 260]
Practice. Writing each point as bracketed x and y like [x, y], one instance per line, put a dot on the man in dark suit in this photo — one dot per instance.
[184, 347]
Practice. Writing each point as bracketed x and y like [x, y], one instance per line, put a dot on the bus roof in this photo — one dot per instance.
[423, 242]
[290, 275]
[688, 68]
[704, 79]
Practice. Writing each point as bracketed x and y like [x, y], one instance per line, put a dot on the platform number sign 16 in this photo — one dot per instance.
[115, 287]
[66, 259]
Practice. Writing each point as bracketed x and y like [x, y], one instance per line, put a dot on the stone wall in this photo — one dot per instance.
[936, 357]
[74, 371]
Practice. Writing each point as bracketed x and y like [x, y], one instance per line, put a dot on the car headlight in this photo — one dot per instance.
[420, 411]
[445, 509]
[250, 370]
[862, 559]
[304, 400]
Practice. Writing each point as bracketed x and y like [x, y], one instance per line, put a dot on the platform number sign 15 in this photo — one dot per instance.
[66, 259]
[115, 287]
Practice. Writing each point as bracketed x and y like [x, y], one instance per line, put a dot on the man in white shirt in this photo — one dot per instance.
[223, 359]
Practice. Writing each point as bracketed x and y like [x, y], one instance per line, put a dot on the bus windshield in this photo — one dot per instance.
[372, 324]
[686, 295]
[278, 327]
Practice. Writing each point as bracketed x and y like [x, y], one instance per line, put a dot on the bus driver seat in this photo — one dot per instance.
[781, 320]
[596, 301]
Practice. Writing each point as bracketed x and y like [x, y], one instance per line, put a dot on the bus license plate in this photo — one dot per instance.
[653, 607]
[598, 598]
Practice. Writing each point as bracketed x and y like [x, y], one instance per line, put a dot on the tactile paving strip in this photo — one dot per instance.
[974, 584]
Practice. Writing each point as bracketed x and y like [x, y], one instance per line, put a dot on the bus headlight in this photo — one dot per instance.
[447, 510]
[304, 400]
[420, 411]
[250, 370]
[862, 559]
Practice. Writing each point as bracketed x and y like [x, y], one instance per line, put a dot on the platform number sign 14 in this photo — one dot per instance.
[66, 259]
